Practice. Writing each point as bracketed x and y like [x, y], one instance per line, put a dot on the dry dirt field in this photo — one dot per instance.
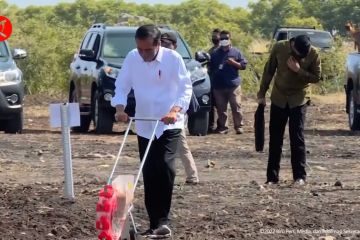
[230, 202]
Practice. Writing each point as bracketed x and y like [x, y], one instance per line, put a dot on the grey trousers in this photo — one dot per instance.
[222, 98]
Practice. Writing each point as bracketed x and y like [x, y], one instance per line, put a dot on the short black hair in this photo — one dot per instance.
[216, 30]
[224, 32]
[302, 44]
[148, 30]
[171, 36]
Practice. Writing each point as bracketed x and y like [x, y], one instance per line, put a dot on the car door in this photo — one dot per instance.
[89, 72]
[76, 68]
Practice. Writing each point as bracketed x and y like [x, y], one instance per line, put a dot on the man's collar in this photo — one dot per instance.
[159, 55]
[222, 49]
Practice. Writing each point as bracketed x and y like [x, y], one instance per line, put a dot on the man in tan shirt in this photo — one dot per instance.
[294, 64]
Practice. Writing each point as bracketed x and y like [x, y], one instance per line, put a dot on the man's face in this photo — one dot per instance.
[147, 48]
[215, 38]
[166, 43]
[296, 52]
[225, 40]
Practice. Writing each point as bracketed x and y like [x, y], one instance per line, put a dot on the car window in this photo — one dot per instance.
[4, 54]
[182, 49]
[318, 39]
[281, 36]
[85, 42]
[90, 45]
[117, 45]
[96, 44]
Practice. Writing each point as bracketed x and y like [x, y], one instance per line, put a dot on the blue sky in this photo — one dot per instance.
[24, 3]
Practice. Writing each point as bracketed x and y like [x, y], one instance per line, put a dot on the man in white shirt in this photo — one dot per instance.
[162, 89]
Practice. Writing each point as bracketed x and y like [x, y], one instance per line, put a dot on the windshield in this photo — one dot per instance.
[3, 51]
[318, 39]
[117, 45]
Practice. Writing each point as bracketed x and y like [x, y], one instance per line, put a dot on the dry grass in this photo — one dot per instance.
[333, 98]
[348, 47]
[259, 46]
[36, 111]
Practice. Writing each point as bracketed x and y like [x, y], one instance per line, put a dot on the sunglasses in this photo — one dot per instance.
[224, 38]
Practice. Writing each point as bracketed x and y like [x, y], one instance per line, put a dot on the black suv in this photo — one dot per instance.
[95, 68]
[319, 38]
[11, 90]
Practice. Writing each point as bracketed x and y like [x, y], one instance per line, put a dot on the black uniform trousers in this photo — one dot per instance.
[278, 119]
[159, 175]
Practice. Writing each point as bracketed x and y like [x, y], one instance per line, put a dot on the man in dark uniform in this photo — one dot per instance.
[215, 38]
[295, 64]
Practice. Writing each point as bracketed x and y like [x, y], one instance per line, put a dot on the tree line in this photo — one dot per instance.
[52, 34]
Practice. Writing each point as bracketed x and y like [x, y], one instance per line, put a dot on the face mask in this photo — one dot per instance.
[225, 42]
[215, 41]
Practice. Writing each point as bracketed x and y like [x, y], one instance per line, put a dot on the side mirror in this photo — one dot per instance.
[18, 53]
[202, 57]
[87, 54]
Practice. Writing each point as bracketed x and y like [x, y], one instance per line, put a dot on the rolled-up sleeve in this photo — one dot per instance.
[269, 71]
[184, 89]
[242, 60]
[122, 84]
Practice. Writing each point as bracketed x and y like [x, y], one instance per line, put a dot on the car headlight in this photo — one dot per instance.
[10, 77]
[205, 99]
[199, 73]
[111, 72]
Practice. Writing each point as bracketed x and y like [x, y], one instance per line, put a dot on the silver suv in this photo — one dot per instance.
[11, 90]
[319, 38]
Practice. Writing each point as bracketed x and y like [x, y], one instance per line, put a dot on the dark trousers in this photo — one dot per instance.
[159, 175]
[278, 119]
[212, 112]
[223, 97]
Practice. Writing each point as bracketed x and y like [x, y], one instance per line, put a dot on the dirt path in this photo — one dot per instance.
[229, 203]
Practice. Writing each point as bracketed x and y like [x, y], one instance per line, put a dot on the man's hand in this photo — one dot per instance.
[262, 101]
[169, 118]
[120, 115]
[293, 64]
[231, 61]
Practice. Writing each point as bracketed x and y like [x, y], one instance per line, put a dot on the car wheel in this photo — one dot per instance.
[198, 123]
[15, 124]
[85, 120]
[354, 116]
[103, 119]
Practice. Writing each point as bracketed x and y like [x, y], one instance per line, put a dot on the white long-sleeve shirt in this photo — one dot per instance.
[158, 86]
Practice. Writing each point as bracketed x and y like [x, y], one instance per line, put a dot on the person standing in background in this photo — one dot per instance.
[225, 63]
[215, 38]
[169, 40]
[294, 64]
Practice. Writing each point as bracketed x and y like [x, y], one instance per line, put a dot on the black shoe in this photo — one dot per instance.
[239, 130]
[147, 233]
[192, 181]
[271, 183]
[222, 130]
[161, 232]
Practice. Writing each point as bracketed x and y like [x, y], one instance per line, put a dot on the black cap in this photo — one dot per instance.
[302, 44]
[170, 36]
